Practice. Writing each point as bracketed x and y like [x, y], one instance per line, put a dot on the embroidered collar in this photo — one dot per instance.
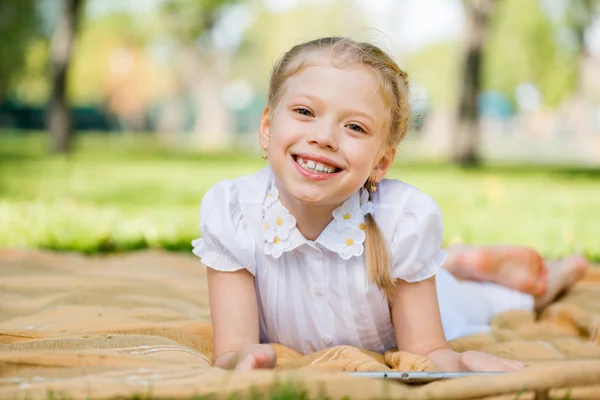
[344, 235]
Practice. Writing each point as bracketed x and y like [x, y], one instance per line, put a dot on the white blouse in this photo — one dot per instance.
[315, 294]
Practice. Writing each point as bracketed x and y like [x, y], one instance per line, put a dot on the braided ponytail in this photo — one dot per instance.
[378, 260]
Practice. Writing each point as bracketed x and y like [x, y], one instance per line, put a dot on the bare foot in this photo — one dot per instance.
[562, 275]
[516, 267]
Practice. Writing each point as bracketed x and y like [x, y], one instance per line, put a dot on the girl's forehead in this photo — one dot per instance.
[324, 67]
[321, 75]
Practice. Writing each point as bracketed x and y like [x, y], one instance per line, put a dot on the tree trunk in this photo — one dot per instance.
[204, 76]
[466, 142]
[60, 119]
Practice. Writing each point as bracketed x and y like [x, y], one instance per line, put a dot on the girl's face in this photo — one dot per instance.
[326, 136]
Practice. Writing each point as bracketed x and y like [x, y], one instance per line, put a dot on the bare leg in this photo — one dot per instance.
[517, 267]
[562, 275]
[468, 306]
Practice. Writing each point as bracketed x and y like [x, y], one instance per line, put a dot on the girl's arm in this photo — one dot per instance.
[418, 325]
[417, 321]
[234, 315]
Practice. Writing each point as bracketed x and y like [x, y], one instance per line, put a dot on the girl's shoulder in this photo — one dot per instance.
[247, 189]
[395, 197]
[230, 222]
[412, 223]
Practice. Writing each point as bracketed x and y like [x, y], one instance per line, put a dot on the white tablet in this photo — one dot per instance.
[422, 377]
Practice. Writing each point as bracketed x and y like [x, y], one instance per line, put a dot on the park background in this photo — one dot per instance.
[117, 116]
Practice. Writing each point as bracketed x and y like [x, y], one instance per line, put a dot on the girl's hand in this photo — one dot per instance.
[256, 356]
[477, 361]
[472, 361]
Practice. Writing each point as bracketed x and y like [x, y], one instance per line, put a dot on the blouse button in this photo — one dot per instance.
[327, 339]
[319, 291]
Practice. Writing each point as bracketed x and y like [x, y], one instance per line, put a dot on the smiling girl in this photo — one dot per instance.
[318, 248]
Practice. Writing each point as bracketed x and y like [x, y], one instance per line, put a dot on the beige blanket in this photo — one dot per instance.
[137, 324]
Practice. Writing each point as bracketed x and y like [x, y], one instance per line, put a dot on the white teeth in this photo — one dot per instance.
[318, 167]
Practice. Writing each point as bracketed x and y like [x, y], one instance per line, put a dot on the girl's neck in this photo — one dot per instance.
[311, 220]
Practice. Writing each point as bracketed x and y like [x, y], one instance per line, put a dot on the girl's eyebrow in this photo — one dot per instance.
[360, 114]
[309, 97]
[350, 111]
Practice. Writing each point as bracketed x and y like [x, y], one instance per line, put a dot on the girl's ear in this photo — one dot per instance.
[384, 164]
[264, 134]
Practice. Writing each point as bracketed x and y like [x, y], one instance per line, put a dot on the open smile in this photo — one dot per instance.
[315, 167]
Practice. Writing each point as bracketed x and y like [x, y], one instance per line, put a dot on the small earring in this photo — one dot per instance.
[372, 187]
[264, 156]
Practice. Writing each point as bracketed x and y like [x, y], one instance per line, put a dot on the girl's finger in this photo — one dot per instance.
[514, 364]
[248, 363]
[263, 361]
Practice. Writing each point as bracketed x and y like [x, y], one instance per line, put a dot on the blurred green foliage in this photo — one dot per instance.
[19, 27]
[527, 43]
[524, 46]
[437, 69]
[122, 192]
[189, 20]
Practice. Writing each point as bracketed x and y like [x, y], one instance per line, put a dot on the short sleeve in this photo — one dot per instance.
[416, 244]
[226, 244]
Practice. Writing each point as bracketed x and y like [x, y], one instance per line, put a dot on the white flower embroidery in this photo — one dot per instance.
[276, 247]
[277, 225]
[278, 222]
[348, 215]
[365, 204]
[345, 235]
[351, 243]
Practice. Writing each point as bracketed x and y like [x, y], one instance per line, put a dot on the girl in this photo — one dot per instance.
[318, 249]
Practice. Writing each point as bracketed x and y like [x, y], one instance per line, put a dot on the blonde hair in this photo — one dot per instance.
[393, 85]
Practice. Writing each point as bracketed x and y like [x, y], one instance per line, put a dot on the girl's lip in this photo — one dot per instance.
[315, 176]
[319, 159]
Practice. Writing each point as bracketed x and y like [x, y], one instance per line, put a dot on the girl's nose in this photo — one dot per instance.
[324, 136]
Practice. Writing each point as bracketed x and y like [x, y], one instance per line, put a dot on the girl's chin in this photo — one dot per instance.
[307, 196]
[315, 198]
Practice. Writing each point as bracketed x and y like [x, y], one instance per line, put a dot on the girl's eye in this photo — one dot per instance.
[355, 127]
[303, 111]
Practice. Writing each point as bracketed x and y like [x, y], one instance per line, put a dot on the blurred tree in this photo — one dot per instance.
[578, 17]
[99, 39]
[524, 46]
[119, 67]
[272, 33]
[30, 85]
[203, 66]
[436, 67]
[19, 25]
[511, 42]
[61, 49]
[465, 142]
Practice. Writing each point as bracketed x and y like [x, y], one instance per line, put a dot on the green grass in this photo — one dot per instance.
[286, 390]
[123, 192]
